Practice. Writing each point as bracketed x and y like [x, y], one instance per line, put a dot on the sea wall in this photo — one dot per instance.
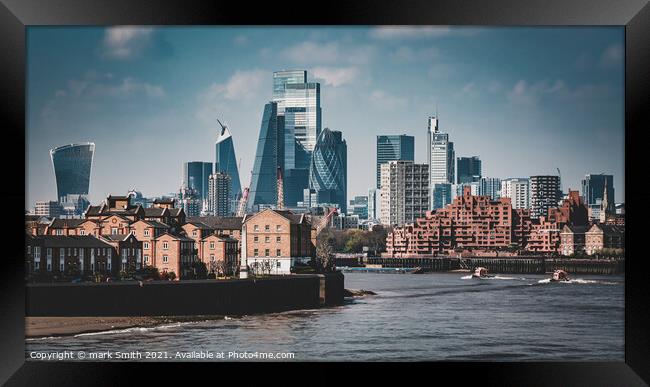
[185, 298]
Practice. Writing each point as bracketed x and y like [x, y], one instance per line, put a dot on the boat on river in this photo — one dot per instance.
[481, 272]
[559, 276]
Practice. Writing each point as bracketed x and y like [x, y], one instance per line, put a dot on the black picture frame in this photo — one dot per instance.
[15, 15]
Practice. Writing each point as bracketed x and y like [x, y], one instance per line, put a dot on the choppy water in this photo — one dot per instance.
[441, 316]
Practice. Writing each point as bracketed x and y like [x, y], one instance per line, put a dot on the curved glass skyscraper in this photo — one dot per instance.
[328, 170]
[72, 164]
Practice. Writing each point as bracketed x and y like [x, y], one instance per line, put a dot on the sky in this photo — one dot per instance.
[526, 100]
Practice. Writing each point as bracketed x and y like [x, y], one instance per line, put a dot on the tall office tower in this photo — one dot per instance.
[219, 203]
[468, 170]
[544, 194]
[359, 206]
[397, 147]
[299, 106]
[72, 165]
[328, 173]
[404, 192]
[490, 186]
[518, 190]
[593, 188]
[225, 161]
[441, 157]
[51, 209]
[372, 203]
[269, 155]
[195, 177]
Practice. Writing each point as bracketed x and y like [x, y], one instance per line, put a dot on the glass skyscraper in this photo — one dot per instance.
[72, 165]
[397, 147]
[195, 177]
[263, 190]
[468, 169]
[441, 158]
[328, 171]
[593, 188]
[298, 103]
[226, 162]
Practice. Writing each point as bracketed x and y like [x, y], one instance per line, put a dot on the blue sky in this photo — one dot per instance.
[526, 100]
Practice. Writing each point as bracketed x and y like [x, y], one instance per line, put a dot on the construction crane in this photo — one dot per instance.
[280, 184]
[243, 202]
[323, 222]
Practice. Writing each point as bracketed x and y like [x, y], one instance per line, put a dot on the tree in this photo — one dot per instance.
[171, 275]
[324, 261]
[200, 270]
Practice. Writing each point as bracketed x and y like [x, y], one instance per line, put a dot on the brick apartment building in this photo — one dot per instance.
[129, 250]
[220, 254]
[481, 224]
[277, 240]
[604, 236]
[65, 255]
[572, 239]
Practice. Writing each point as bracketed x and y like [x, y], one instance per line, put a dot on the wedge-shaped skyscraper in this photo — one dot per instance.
[268, 157]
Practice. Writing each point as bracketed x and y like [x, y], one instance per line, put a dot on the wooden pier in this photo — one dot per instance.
[512, 265]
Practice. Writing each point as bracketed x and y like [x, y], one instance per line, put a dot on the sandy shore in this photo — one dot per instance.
[65, 326]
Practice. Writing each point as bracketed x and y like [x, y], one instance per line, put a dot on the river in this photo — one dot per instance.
[434, 316]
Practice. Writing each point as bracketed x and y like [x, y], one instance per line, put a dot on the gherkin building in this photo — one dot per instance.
[328, 169]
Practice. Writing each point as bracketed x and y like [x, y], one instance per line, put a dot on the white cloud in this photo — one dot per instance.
[418, 32]
[524, 93]
[335, 76]
[243, 87]
[125, 42]
[612, 56]
[310, 52]
[384, 100]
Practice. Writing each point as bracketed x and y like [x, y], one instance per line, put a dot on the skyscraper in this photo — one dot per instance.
[372, 203]
[195, 177]
[518, 190]
[399, 204]
[468, 169]
[72, 165]
[394, 147]
[544, 194]
[490, 186]
[593, 188]
[219, 203]
[299, 112]
[441, 157]
[328, 171]
[263, 190]
[226, 162]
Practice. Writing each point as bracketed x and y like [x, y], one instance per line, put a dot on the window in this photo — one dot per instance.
[59, 232]
[212, 245]
[211, 257]
[278, 253]
[165, 258]
[278, 227]
[145, 245]
[146, 259]
[279, 264]
[61, 252]
[146, 232]
[267, 228]
[61, 266]
[49, 266]
[256, 238]
[165, 245]
[267, 239]
[29, 249]
[266, 252]
[37, 265]
[37, 253]
[278, 239]
[194, 233]
[109, 254]
[255, 253]
[114, 230]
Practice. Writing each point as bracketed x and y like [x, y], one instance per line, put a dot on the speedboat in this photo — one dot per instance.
[481, 272]
[560, 275]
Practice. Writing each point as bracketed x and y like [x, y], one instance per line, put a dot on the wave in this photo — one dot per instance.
[579, 281]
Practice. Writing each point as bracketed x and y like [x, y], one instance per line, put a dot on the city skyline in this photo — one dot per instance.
[110, 83]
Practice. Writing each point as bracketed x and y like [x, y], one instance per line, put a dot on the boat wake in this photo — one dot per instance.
[496, 277]
[578, 281]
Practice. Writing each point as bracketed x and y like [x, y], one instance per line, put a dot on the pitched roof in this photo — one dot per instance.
[94, 210]
[179, 237]
[219, 223]
[575, 229]
[154, 211]
[61, 223]
[224, 238]
[199, 225]
[71, 241]
[292, 217]
[175, 211]
[608, 229]
[116, 237]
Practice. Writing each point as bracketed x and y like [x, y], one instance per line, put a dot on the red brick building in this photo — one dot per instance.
[604, 236]
[70, 256]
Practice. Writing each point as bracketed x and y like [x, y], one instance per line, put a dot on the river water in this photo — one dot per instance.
[436, 316]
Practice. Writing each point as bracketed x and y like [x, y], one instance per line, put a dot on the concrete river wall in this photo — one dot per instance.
[185, 298]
